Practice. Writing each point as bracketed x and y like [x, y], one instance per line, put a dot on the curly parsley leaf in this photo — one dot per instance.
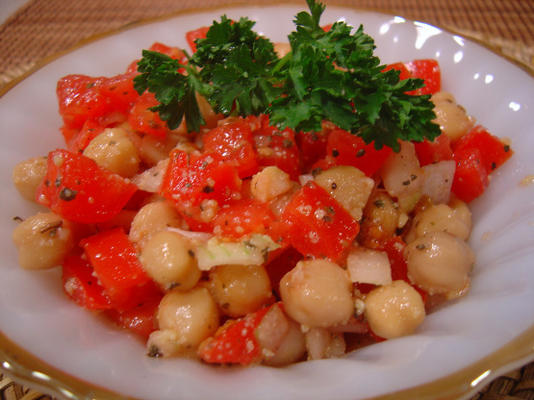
[175, 92]
[238, 63]
[331, 75]
[334, 75]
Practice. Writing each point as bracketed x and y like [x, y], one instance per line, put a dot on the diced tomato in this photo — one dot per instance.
[76, 188]
[281, 265]
[143, 120]
[317, 225]
[345, 148]
[429, 71]
[493, 151]
[401, 67]
[81, 285]
[327, 27]
[80, 99]
[432, 152]
[173, 52]
[470, 177]
[194, 35]
[279, 148]
[141, 318]
[81, 139]
[119, 271]
[394, 247]
[120, 91]
[235, 342]
[192, 178]
[243, 217]
[83, 97]
[312, 146]
[233, 142]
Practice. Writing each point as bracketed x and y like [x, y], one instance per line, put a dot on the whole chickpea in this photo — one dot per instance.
[169, 259]
[152, 218]
[394, 310]
[28, 175]
[441, 217]
[192, 315]
[439, 263]
[240, 289]
[317, 293]
[450, 116]
[114, 150]
[43, 241]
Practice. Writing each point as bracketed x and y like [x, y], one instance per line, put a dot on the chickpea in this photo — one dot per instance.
[317, 293]
[43, 241]
[270, 183]
[152, 218]
[153, 150]
[439, 262]
[394, 310]
[192, 315]
[450, 116]
[443, 218]
[349, 186]
[207, 112]
[240, 289]
[380, 219]
[28, 175]
[114, 150]
[292, 348]
[168, 258]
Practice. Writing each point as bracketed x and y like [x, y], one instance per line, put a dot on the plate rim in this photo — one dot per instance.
[27, 368]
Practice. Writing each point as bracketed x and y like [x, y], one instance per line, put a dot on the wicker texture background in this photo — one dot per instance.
[43, 28]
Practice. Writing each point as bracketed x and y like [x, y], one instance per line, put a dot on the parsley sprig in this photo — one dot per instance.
[330, 75]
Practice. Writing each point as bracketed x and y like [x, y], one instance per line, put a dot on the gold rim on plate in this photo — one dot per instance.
[28, 369]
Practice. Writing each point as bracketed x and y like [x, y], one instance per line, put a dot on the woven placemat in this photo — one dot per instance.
[43, 28]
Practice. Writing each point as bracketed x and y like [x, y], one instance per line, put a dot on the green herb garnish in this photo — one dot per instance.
[331, 75]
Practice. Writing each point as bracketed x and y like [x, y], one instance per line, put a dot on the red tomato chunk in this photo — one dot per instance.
[76, 188]
[317, 225]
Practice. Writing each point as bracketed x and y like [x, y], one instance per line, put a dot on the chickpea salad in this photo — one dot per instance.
[256, 202]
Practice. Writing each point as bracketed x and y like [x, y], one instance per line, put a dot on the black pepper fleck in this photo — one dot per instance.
[67, 194]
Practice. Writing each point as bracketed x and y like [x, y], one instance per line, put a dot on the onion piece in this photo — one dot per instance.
[437, 181]
[369, 266]
[150, 180]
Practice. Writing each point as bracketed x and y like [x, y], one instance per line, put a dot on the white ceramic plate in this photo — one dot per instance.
[36, 316]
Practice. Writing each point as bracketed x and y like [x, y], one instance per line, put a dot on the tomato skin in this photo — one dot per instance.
[233, 142]
[284, 262]
[80, 99]
[76, 188]
[426, 69]
[429, 71]
[81, 285]
[79, 141]
[493, 151]
[235, 342]
[192, 178]
[195, 34]
[141, 318]
[404, 73]
[344, 148]
[470, 177]
[312, 146]
[243, 217]
[83, 97]
[317, 225]
[146, 121]
[278, 148]
[115, 263]
[432, 152]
